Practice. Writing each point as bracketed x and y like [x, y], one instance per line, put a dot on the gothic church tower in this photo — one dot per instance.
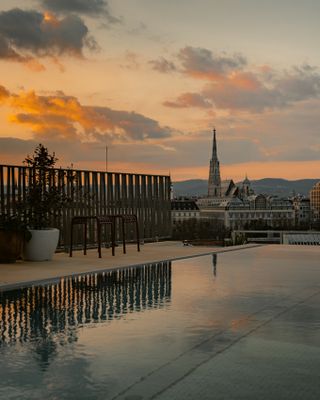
[214, 183]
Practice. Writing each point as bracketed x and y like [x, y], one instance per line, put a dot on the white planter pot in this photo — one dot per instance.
[42, 245]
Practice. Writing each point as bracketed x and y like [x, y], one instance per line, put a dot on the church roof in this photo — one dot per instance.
[228, 188]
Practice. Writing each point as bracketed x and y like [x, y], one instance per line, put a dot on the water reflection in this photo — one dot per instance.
[214, 264]
[45, 311]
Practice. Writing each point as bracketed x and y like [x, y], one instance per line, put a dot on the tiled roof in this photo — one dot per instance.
[184, 205]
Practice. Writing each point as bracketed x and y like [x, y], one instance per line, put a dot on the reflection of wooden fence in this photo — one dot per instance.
[44, 311]
[97, 193]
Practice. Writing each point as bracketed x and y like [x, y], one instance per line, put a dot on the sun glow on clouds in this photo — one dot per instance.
[65, 117]
[154, 103]
[50, 18]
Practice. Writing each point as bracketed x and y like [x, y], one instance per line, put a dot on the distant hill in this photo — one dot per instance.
[276, 186]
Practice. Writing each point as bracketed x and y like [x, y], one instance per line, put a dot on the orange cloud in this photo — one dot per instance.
[50, 18]
[34, 65]
[244, 80]
[188, 100]
[64, 117]
[4, 94]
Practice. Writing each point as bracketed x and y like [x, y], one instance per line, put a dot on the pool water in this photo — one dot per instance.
[148, 332]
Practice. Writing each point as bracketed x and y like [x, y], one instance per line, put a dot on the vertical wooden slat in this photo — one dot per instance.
[13, 190]
[8, 202]
[124, 194]
[150, 208]
[95, 193]
[102, 198]
[2, 191]
[117, 194]
[87, 191]
[80, 195]
[161, 205]
[156, 206]
[143, 215]
[130, 194]
[19, 184]
[110, 198]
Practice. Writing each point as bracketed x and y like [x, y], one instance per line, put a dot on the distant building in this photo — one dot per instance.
[302, 209]
[182, 210]
[315, 202]
[239, 207]
[255, 211]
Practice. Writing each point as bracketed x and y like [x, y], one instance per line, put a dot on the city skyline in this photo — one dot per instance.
[150, 80]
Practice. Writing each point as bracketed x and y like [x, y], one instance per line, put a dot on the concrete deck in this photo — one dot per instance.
[26, 273]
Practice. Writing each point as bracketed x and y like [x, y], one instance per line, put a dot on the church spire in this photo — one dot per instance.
[214, 183]
[214, 146]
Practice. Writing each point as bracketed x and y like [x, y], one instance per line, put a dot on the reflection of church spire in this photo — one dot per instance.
[214, 183]
[214, 264]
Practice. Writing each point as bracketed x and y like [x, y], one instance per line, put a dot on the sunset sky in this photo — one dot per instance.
[150, 79]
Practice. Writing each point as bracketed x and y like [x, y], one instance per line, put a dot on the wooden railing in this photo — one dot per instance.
[96, 193]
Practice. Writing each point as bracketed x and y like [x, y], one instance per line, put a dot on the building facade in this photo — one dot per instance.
[238, 207]
[183, 210]
[315, 202]
[302, 209]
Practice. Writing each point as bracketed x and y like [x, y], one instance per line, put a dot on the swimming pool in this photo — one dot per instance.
[232, 325]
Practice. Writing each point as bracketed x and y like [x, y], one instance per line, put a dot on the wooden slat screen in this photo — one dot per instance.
[97, 193]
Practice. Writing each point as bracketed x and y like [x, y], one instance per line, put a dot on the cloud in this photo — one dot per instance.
[232, 84]
[248, 92]
[125, 157]
[7, 52]
[65, 118]
[26, 34]
[187, 100]
[201, 63]
[94, 8]
[243, 92]
[299, 84]
[4, 94]
[252, 92]
[163, 65]
[131, 60]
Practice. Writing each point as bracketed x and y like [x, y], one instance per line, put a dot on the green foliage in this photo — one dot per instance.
[41, 158]
[14, 223]
[43, 200]
[240, 238]
[193, 229]
[260, 224]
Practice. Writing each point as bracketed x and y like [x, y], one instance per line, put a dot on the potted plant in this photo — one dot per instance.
[43, 202]
[13, 234]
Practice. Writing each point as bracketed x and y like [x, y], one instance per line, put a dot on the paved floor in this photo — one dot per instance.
[24, 273]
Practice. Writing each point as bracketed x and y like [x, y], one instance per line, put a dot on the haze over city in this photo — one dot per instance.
[150, 79]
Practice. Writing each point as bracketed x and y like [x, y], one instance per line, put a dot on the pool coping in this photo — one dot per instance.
[54, 280]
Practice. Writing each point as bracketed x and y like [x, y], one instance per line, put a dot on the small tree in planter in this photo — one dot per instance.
[43, 202]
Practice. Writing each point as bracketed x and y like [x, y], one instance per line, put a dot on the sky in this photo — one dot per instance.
[151, 79]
